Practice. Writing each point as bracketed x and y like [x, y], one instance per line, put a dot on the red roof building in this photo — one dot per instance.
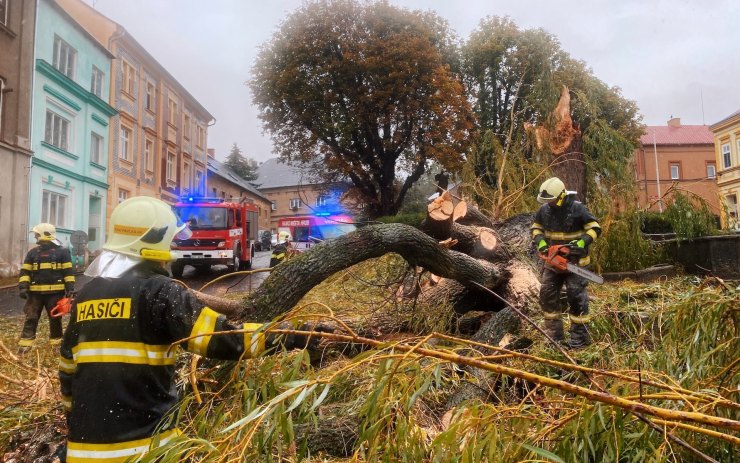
[676, 157]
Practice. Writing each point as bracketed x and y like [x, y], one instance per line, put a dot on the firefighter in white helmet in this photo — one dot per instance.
[560, 220]
[45, 277]
[117, 367]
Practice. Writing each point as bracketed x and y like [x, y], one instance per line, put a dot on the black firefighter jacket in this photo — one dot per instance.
[117, 364]
[561, 225]
[46, 269]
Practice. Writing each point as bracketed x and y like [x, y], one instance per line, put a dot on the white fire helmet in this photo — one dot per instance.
[550, 190]
[144, 227]
[45, 232]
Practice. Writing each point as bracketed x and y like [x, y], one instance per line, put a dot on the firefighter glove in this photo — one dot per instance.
[299, 341]
[23, 293]
[542, 246]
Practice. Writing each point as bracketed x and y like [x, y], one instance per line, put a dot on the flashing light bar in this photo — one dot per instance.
[201, 199]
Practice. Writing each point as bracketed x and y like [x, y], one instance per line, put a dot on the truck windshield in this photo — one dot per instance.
[202, 217]
[333, 230]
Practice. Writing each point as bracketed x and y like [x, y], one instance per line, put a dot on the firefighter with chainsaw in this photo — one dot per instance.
[46, 276]
[117, 365]
[562, 232]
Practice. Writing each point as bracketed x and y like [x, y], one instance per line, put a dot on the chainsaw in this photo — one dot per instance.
[558, 257]
[62, 307]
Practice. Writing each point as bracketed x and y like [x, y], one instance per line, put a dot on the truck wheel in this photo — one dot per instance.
[236, 263]
[177, 268]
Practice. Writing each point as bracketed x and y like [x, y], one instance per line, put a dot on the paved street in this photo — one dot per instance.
[11, 304]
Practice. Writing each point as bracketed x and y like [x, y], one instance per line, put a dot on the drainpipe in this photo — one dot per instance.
[657, 174]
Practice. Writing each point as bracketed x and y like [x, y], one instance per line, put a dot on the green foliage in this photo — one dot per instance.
[414, 219]
[244, 167]
[655, 223]
[621, 246]
[690, 216]
[367, 88]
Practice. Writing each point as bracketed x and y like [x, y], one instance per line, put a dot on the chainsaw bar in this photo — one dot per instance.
[587, 274]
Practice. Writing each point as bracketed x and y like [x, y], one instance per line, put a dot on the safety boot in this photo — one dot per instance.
[579, 336]
[24, 346]
[554, 327]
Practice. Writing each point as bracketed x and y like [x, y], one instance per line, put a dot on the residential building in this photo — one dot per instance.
[17, 24]
[292, 190]
[685, 160]
[225, 183]
[727, 150]
[71, 118]
[158, 142]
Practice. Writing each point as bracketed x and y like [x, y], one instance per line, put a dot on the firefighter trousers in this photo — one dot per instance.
[575, 291]
[35, 304]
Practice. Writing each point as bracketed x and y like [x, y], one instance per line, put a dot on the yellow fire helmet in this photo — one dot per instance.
[45, 232]
[144, 227]
[284, 236]
[552, 189]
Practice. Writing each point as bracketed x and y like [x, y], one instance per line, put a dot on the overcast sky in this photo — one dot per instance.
[673, 57]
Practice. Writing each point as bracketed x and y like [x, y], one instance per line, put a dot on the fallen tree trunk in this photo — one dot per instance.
[292, 279]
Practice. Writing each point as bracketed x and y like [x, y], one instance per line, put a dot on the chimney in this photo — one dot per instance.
[212, 152]
[674, 122]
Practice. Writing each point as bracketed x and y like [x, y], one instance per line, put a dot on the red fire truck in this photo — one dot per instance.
[308, 230]
[223, 233]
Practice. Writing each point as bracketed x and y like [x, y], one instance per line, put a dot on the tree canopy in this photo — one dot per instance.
[243, 166]
[368, 89]
[515, 78]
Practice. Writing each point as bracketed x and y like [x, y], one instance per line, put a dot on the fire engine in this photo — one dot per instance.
[308, 230]
[223, 233]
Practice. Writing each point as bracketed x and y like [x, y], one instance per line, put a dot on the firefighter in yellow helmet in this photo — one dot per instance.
[560, 220]
[117, 367]
[283, 248]
[45, 277]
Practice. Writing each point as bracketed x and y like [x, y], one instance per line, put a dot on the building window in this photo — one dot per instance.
[96, 148]
[2, 92]
[273, 206]
[96, 86]
[54, 208]
[321, 200]
[173, 111]
[200, 135]
[732, 212]
[129, 78]
[122, 195]
[171, 160]
[149, 155]
[150, 96]
[186, 176]
[124, 148]
[295, 203]
[711, 170]
[675, 171]
[57, 130]
[64, 57]
[4, 12]
[738, 151]
[199, 187]
[186, 127]
[726, 156]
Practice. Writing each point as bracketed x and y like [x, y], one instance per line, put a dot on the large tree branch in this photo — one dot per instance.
[292, 279]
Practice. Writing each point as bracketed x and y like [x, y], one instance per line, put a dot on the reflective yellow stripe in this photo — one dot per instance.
[115, 453]
[552, 316]
[592, 234]
[24, 279]
[591, 225]
[136, 353]
[584, 261]
[67, 365]
[46, 266]
[254, 342]
[59, 287]
[561, 236]
[66, 265]
[28, 267]
[69, 279]
[580, 320]
[67, 402]
[25, 342]
[278, 256]
[206, 323]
